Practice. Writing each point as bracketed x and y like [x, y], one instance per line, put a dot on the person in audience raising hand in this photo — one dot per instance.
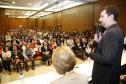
[64, 61]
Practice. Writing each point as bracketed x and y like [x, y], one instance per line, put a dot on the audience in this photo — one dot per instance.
[38, 44]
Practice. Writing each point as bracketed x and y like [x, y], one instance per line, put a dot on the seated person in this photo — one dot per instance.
[123, 74]
[6, 55]
[17, 58]
[28, 55]
[1, 61]
[46, 55]
[64, 61]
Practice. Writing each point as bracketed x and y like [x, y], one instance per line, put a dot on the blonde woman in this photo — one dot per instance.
[64, 61]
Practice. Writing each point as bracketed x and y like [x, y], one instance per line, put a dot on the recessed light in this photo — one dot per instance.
[13, 2]
[7, 13]
[29, 4]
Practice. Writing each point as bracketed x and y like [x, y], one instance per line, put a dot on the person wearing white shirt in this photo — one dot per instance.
[28, 54]
[6, 55]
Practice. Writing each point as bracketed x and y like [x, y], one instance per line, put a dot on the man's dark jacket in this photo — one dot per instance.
[107, 59]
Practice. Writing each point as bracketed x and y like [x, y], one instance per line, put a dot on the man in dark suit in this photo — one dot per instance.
[107, 57]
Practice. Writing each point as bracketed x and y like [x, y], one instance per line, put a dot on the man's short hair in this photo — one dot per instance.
[112, 10]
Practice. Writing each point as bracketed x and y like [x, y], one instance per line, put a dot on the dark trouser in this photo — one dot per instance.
[19, 66]
[1, 66]
[6, 65]
[46, 59]
[125, 46]
[26, 63]
[123, 69]
[18, 63]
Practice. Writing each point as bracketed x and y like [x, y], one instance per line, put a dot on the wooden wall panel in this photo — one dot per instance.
[121, 4]
[122, 17]
[39, 23]
[71, 10]
[16, 22]
[122, 14]
[59, 18]
[118, 2]
[3, 21]
[50, 21]
[98, 7]
[43, 22]
[31, 23]
[77, 18]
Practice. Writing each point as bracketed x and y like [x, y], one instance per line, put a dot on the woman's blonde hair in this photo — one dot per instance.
[63, 59]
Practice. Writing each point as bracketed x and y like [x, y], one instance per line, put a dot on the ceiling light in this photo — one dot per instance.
[33, 17]
[7, 13]
[29, 4]
[63, 5]
[29, 13]
[23, 8]
[43, 6]
[13, 2]
[21, 17]
[42, 14]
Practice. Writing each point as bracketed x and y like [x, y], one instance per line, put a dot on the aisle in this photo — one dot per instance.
[39, 70]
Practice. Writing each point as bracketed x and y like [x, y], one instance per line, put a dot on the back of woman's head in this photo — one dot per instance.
[63, 59]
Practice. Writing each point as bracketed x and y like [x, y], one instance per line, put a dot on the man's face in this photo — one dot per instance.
[104, 19]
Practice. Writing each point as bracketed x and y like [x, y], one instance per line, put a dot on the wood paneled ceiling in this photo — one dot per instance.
[37, 8]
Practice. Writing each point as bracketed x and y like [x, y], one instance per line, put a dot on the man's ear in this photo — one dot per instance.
[111, 16]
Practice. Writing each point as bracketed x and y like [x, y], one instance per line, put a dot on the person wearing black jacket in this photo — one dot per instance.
[17, 58]
[107, 57]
